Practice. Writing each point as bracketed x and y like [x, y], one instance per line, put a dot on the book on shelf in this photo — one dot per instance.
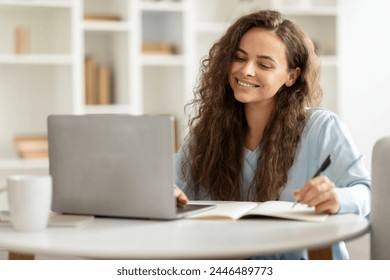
[276, 209]
[104, 85]
[158, 48]
[103, 17]
[90, 80]
[21, 40]
[98, 85]
[33, 154]
[31, 146]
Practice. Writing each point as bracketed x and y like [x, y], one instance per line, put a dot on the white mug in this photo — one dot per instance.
[29, 201]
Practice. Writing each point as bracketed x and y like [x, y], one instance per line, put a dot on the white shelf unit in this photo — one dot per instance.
[49, 79]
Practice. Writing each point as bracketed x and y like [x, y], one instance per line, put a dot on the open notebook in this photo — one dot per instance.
[277, 209]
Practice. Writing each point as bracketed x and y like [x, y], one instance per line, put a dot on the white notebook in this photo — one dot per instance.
[276, 209]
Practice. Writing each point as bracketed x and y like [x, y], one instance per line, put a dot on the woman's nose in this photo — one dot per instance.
[248, 69]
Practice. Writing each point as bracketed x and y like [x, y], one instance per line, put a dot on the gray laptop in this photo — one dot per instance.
[114, 165]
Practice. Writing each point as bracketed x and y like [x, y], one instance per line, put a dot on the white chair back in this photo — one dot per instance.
[380, 200]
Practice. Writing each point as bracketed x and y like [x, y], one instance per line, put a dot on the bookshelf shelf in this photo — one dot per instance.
[37, 3]
[36, 59]
[96, 25]
[13, 164]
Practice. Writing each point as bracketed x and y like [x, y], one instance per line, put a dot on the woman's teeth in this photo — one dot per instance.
[246, 84]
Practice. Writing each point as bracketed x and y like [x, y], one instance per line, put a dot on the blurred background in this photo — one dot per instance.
[143, 57]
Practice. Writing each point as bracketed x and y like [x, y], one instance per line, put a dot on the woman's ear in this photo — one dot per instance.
[293, 76]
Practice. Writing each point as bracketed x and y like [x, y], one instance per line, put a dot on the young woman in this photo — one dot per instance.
[256, 134]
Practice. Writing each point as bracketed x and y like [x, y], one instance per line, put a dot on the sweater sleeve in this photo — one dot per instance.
[347, 170]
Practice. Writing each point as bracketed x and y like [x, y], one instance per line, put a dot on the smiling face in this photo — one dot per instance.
[260, 68]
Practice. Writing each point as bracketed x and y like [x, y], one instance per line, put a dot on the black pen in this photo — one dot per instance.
[322, 168]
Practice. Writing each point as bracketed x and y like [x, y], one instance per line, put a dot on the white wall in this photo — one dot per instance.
[364, 104]
[365, 71]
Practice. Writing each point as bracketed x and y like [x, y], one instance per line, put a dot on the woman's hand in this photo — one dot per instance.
[320, 193]
[181, 198]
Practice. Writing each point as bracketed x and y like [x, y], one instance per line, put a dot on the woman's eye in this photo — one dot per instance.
[265, 66]
[238, 58]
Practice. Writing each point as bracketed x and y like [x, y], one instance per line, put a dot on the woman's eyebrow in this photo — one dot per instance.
[241, 50]
[267, 58]
[259, 56]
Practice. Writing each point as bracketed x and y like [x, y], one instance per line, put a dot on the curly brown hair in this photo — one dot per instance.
[217, 130]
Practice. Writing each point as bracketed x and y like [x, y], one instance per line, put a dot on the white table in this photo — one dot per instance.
[183, 239]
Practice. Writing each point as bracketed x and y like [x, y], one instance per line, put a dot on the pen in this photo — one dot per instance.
[322, 168]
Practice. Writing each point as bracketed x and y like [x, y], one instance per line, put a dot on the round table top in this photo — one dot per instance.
[108, 238]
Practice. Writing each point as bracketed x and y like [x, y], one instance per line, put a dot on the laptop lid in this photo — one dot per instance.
[112, 165]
